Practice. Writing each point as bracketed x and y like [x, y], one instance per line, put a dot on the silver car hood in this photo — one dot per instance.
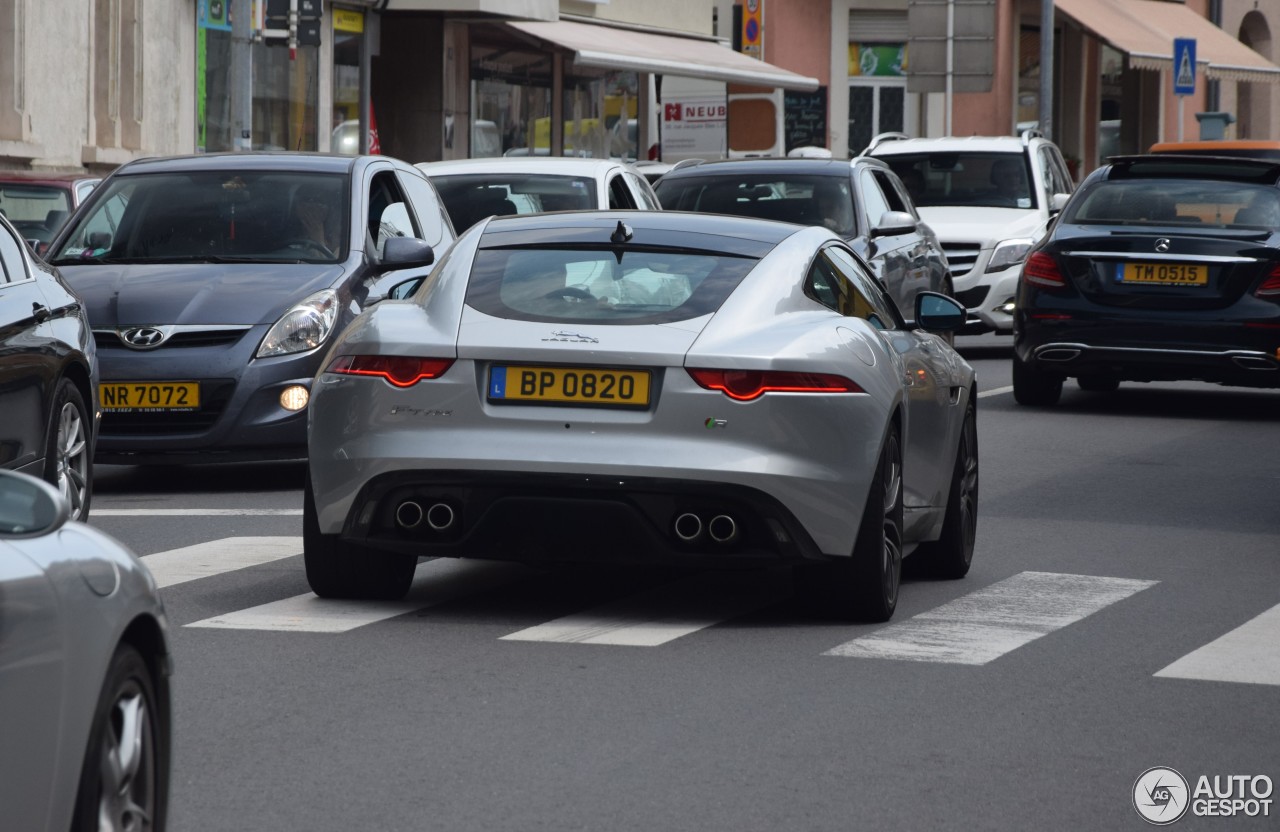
[195, 293]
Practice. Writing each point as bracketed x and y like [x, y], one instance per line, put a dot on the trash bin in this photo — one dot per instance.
[1214, 125]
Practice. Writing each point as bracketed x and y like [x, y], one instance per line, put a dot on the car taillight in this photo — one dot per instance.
[745, 385]
[400, 370]
[1041, 270]
[1271, 286]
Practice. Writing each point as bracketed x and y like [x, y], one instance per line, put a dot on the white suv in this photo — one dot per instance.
[989, 199]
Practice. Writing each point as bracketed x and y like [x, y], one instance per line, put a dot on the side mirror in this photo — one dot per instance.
[405, 288]
[895, 222]
[29, 507]
[1058, 202]
[938, 313]
[403, 253]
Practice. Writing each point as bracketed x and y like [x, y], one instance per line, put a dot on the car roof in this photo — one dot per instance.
[35, 177]
[773, 165]
[1254, 148]
[1177, 166]
[952, 144]
[675, 229]
[258, 160]
[557, 165]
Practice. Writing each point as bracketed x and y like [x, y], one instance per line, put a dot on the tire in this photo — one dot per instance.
[864, 587]
[1099, 384]
[1033, 387]
[952, 553]
[119, 789]
[68, 452]
[337, 569]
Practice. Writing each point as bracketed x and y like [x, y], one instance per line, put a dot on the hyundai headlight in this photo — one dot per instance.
[1009, 253]
[304, 327]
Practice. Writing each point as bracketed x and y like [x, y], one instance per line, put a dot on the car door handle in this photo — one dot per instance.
[40, 312]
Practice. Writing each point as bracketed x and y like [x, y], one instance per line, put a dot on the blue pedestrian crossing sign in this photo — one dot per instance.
[1184, 66]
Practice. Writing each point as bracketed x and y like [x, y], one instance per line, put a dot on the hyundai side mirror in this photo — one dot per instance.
[403, 253]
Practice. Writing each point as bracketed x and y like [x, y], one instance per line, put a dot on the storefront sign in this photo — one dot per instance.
[345, 20]
[694, 127]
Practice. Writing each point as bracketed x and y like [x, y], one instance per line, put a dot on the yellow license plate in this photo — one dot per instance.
[570, 385]
[1165, 274]
[149, 395]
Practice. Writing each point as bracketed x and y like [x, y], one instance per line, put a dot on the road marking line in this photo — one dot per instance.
[996, 392]
[984, 625]
[215, 557]
[660, 615]
[435, 582]
[194, 512]
[1250, 653]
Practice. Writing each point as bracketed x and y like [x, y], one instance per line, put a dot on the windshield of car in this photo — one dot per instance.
[251, 216]
[36, 211]
[1181, 202]
[997, 180]
[795, 198]
[604, 286]
[470, 198]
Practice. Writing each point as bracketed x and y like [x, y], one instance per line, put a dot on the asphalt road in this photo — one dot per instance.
[1122, 613]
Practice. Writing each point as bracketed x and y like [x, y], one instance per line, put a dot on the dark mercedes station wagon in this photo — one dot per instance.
[1160, 268]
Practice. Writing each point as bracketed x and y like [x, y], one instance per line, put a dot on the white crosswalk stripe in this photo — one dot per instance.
[435, 582]
[660, 615]
[215, 557]
[984, 625]
[1250, 653]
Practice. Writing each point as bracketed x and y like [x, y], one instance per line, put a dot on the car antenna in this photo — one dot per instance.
[622, 233]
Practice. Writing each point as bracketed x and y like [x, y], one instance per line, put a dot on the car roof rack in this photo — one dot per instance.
[892, 136]
[1029, 134]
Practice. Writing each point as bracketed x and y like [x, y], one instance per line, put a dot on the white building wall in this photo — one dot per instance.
[60, 87]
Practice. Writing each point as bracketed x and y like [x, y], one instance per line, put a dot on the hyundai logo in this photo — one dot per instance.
[1162, 244]
[142, 337]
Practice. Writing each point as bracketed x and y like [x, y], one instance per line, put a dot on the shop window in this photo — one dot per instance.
[510, 101]
[285, 96]
[12, 75]
[348, 29]
[600, 115]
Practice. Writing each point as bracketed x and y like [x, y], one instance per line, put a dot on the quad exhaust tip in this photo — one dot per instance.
[410, 515]
[722, 528]
[688, 527]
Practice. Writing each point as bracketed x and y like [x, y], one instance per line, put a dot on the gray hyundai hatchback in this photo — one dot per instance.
[215, 283]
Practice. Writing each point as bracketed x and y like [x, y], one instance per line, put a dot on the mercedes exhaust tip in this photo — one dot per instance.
[409, 515]
[440, 516]
[722, 528]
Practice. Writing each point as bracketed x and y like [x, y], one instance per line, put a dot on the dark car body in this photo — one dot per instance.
[48, 374]
[861, 199]
[211, 305]
[1159, 268]
[38, 203]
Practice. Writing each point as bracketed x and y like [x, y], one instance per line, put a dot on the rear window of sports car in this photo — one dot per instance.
[606, 286]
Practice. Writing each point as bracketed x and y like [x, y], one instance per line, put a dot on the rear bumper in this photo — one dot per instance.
[538, 517]
[1235, 367]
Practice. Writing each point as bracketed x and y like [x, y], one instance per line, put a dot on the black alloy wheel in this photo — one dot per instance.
[1034, 387]
[337, 569]
[68, 458]
[952, 553]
